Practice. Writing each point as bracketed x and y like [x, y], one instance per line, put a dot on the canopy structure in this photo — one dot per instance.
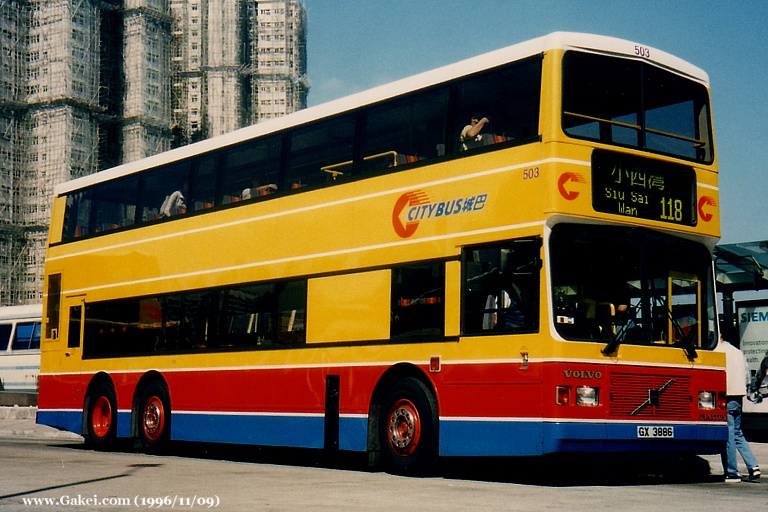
[740, 267]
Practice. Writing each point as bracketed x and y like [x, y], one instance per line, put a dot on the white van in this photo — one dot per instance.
[20, 328]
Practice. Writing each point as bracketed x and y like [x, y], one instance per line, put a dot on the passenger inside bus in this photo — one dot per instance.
[504, 311]
[173, 205]
[257, 190]
[471, 136]
[500, 287]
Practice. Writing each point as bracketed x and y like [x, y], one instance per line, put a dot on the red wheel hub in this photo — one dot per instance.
[154, 418]
[101, 418]
[404, 427]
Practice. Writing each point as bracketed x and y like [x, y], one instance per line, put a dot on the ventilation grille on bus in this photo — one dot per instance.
[631, 396]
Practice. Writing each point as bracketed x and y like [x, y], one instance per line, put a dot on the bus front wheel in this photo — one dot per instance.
[101, 417]
[154, 417]
[408, 427]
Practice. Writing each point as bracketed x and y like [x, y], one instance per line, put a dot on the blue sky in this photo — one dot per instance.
[357, 44]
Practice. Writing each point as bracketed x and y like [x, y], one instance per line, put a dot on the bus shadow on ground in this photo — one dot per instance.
[556, 470]
[565, 470]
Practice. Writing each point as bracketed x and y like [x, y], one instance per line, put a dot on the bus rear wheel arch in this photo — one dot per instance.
[408, 427]
[152, 415]
[100, 429]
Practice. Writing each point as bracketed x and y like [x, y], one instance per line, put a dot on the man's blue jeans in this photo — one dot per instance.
[736, 441]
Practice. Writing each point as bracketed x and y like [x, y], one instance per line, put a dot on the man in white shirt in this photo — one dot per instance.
[173, 204]
[470, 136]
[737, 376]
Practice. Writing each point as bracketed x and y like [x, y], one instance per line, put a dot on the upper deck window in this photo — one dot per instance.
[409, 130]
[631, 103]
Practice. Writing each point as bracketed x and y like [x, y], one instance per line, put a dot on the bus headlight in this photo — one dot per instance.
[706, 400]
[587, 396]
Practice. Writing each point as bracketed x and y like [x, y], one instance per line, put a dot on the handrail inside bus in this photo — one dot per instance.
[333, 168]
[600, 119]
[697, 143]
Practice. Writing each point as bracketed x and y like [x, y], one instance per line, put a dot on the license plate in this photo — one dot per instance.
[655, 432]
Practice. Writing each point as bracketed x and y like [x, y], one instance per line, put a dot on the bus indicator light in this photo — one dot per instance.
[722, 400]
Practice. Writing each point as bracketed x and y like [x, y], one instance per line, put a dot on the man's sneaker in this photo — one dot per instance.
[754, 473]
[732, 479]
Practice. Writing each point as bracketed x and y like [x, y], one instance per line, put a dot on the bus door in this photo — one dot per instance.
[71, 342]
[60, 400]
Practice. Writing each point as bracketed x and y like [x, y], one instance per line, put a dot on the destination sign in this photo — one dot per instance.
[643, 188]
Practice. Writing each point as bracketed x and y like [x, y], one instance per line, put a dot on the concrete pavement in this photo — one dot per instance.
[19, 423]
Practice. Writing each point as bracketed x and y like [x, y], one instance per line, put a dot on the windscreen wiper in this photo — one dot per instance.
[621, 333]
[686, 340]
[612, 345]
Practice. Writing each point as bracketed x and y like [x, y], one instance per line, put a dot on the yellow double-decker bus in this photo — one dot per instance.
[507, 256]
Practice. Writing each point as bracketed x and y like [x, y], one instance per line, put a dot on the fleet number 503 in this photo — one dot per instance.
[530, 173]
[643, 51]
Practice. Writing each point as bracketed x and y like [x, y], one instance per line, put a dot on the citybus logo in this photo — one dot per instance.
[414, 200]
[706, 201]
[413, 207]
[565, 178]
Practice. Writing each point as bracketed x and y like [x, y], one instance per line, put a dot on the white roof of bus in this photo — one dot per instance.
[565, 40]
[32, 311]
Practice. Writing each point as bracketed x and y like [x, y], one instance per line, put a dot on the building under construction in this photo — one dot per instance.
[88, 84]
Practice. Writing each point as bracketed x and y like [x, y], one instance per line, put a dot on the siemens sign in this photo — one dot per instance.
[753, 335]
[753, 316]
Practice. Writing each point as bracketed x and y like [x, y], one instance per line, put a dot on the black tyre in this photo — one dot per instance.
[408, 428]
[101, 417]
[154, 417]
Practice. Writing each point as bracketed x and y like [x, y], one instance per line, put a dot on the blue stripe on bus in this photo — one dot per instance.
[123, 423]
[268, 430]
[71, 421]
[294, 431]
[457, 437]
[353, 434]
[494, 438]
[522, 438]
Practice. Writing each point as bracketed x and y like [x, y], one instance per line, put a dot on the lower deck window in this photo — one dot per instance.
[501, 287]
[256, 315]
[418, 300]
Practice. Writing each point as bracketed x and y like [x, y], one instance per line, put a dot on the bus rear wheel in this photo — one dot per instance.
[408, 427]
[154, 417]
[101, 417]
